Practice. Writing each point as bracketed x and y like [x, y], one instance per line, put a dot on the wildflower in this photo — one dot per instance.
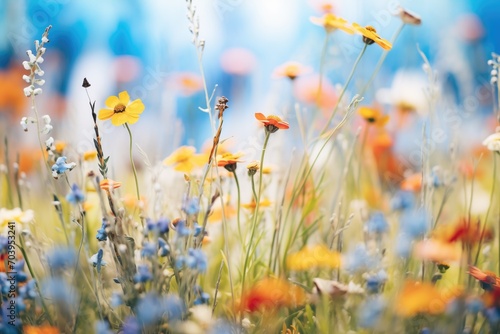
[335, 289]
[412, 182]
[359, 260]
[371, 311]
[61, 258]
[377, 223]
[102, 235]
[143, 274]
[33, 65]
[474, 305]
[469, 233]
[308, 90]
[161, 226]
[263, 204]
[148, 249]
[313, 257]
[191, 206]
[272, 123]
[164, 249]
[436, 251]
[409, 17]
[331, 23]
[76, 195]
[270, 294]
[185, 159]
[108, 184]
[121, 110]
[187, 83]
[487, 279]
[291, 70]
[229, 161]
[374, 282]
[373, 116]
[44, 329]
[15, 215]
[195, 260]
[403, 200]
[131, 326]
[492, 142]
[89, 155]
[47, 127]
[180, 227]
[151, 308]
[415, 223]
[61, 166]
[370, 36]
[253, 167]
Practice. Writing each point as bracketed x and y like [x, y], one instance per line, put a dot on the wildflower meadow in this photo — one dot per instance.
[342, 178]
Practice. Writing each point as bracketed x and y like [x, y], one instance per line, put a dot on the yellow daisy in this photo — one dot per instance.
[121, 110]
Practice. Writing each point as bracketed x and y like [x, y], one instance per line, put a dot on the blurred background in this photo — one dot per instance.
[144, 47]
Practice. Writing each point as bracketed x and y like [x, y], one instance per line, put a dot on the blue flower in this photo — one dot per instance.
[182, 230]
[374, 282]
[21, 276]
[148, 249]
[143, 274]
[4, 243]
[163, 246]
[197, 229]
[97, 261]
[161, 226]
[131, 326]
[191, 206]
[152, 308]
[403, 245]
[415, 224]
[475, 305]
[116, 299]
[76, 196]
[377, 223]
[492, 314]
[28, 290]
[370, 312]
[61, 166]
[196, 260]
[102, 235]
[60, 258]
[57, 290]
[358, 260]
[403, 200]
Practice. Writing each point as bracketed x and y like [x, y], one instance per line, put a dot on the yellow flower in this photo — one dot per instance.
[121, 110]
[265, 203]
[59, 146]
[15, 215]
[229, 161]
[331, 22]
[89, 155]
[313, 257]
[374, 116]
[185, 159]
[370, 36]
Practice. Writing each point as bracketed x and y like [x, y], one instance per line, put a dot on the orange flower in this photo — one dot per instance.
[265, 203]
[467, 232]
[270, 294]
[373, 116]
[272, 123]
[331, 23]
[187, 83]
[291, 70]
[108, 184]
[40, 330]
[487, 279]
[229, 161]
[185, 159]
[412, 182]
[370, 36]
[417, 297]
[313, 257]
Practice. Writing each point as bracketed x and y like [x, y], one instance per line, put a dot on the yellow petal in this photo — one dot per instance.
[185, 167]
[135, 108]
[131, 119]
[124, 97]
[119, 119]
[105, 114]
[112, 101]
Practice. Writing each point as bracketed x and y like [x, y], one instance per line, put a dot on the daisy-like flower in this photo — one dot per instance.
[229, 161]
[313, 257]
[492, 142]
[272, 123]
[253, 167]
[370, 36]
[409, 17]
[291, 70]
[185, 159]
[121, 110]
[373, 116]
[331, 23]
[487, 279]
[108, 184]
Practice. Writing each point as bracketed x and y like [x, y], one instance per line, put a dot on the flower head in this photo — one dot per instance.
[373, 116]
[377, 223]
[291, 70]
[108, 184]
[409, 17]
[185, 160]
[313, 257]
[229, 161]
[61, 166]
[121, 110]
[331, 23]
[370, 36]
[487, 279]
[97, 260]
[492, 142]
[272, 123]
[253, 167]
[33, 65]
[76, 195]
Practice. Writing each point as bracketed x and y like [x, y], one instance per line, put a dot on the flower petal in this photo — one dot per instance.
[260, 116]
[105, 113]
[119, 119]
[124, 97]
[112, 101]
[135, 108]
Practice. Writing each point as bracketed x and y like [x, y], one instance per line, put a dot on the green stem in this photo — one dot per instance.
[255, 214]
[239, 203]
[253, 189]
[7, 175]
[132, 163]
[344, 89]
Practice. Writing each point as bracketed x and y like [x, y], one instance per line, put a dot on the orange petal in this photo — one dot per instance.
[260, 116]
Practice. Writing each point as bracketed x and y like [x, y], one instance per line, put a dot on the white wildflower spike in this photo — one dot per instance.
[33, 65]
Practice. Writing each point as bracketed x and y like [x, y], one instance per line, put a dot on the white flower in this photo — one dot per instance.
[46, 129]
[46, 119]
[492, 142]
[49, 143]
[24, 123]
[15, 215]
[28, 91]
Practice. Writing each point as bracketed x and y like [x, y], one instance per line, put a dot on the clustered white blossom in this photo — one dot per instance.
[492, 142]
[495, 64]
[33, 65]
[47, 126]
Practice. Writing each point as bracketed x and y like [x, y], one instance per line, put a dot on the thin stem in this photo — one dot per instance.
[132, 163]
[253, 189]
[344, 89]
[361, 152]
[255, 214]
[382, 59]
[7, 176]
[239, 203]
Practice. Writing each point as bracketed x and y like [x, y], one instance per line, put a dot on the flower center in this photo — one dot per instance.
[119, 108]
[370, 28]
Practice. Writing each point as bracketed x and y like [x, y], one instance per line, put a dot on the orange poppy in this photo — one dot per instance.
[370, 36]
[272, 123]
